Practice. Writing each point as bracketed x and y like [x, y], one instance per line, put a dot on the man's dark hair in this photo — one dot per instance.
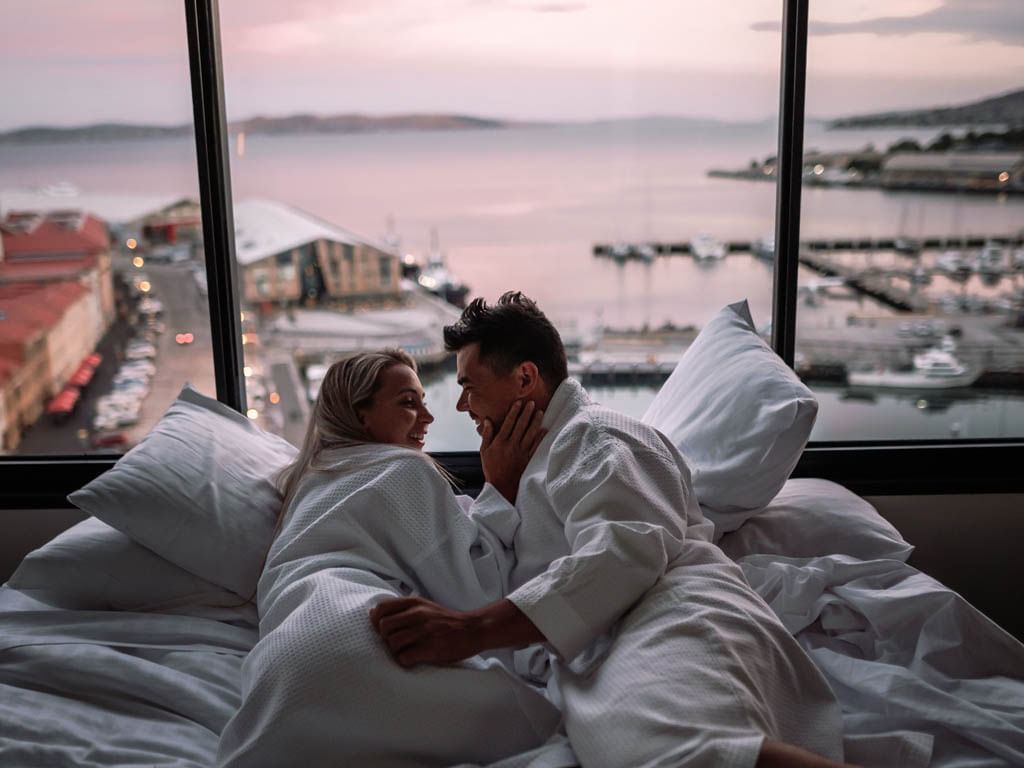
[510, 332]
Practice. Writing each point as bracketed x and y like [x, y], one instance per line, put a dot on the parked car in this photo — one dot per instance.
[109, 440]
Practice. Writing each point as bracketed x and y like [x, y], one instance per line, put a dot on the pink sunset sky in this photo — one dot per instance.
[68, 62]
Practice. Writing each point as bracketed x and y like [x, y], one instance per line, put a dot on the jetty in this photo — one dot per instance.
[887, 243]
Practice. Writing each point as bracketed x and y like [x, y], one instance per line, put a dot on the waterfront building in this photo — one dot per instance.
[987, 171]
[161, 218]
[288, 258]
[56, 302]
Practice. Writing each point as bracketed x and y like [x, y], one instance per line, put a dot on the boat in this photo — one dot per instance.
[935, 368]
[623, 252]
[908, 246]
[990, 260]
[954, 263]
[920, 276]
[435, 277]
[707, 248]
[764, 248]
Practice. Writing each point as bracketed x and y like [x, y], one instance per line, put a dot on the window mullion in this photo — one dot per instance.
[203, 18]
[789, 168]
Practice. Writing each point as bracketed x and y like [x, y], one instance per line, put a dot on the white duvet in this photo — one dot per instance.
[906, 656]
[319, 687]
[104, 688]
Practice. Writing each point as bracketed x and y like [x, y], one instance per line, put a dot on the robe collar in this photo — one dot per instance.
[569, 398]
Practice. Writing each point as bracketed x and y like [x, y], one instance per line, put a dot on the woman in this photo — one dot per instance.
[368, 516]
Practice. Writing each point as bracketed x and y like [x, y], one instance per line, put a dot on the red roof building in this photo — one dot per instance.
[55, 235]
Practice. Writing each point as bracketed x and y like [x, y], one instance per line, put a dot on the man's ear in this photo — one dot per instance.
[528, 378]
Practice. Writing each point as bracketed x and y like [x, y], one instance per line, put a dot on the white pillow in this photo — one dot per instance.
[92, 567]
[739, 415]
[814, 518]
[198, 490]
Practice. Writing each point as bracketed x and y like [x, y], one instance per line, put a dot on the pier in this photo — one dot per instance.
[991, 344]
[888, 243]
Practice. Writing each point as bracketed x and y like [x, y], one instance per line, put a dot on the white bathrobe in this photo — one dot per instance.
[665, 655]
[319, 688]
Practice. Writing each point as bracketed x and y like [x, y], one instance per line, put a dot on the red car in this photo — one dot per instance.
[110, 440]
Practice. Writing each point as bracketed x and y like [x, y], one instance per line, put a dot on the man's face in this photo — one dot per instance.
[485, 394]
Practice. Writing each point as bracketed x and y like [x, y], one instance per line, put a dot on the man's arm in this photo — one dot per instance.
[418, 631]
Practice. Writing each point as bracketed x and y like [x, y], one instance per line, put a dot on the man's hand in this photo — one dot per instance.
[504, 455]
[418, 631]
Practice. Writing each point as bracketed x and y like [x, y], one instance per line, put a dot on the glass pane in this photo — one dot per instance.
[911, 308]
[560, 149]
[102, 316]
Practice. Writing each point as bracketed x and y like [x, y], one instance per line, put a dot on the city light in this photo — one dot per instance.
[247, 371]
[138, 261]
[243, 317]
[275, 398]
[132, 243]
[1004, 177]
[252, 413]
[145, 287]
[819, 169]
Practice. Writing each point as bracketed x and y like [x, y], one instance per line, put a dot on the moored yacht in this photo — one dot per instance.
[704, 247]
[934, 368]
[954, 263]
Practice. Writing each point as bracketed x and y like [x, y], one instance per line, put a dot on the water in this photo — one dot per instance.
[522, 208]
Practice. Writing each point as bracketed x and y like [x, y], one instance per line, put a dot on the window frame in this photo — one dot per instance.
[889, 467]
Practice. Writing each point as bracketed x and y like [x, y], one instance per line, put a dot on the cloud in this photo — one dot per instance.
[999, 21]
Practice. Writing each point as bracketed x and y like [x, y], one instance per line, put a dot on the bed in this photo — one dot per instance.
[122, 640]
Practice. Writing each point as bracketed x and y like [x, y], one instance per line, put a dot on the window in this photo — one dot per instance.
[571, 153]
[489, 222]
[100, 227]
[911, 301]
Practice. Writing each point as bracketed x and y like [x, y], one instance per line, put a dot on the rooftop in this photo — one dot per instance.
[265, 227]
[115, 209]
[63, 233]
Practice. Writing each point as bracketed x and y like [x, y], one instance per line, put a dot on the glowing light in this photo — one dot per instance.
[921, 404]
[132, 243]
[247, 371]
[145, 287]
[1004, 177]
[275, 398]
[138, 261]
[819, 169]
[252, 413]
[243, 317]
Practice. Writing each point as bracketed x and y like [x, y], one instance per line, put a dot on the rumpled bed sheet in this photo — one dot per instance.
[905, 655]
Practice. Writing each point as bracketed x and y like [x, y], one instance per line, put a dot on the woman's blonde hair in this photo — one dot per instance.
[348, 386]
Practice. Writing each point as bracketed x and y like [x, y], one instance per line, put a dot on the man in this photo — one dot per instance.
[664, 655]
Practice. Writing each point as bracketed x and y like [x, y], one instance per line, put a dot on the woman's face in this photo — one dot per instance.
[397, 413]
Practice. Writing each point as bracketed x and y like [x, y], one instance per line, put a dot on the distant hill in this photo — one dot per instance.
[1005, 109]
[292, 124]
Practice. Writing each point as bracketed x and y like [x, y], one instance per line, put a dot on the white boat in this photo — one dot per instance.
[954, 263]
[764, 247]
[707, 248]
[990, 260]
[934, 368]
[435, 277]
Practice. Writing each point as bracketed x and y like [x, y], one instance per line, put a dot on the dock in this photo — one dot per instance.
[989, 343]
[888, 243]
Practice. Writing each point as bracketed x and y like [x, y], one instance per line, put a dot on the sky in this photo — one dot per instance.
[73, 62]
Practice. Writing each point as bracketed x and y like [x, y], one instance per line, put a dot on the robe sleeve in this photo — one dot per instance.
[624, 505]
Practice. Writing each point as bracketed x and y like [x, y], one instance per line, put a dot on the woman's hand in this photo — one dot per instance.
[504, 455]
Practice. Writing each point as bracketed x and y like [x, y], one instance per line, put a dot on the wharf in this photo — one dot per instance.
[887, 243]
[988, 343]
